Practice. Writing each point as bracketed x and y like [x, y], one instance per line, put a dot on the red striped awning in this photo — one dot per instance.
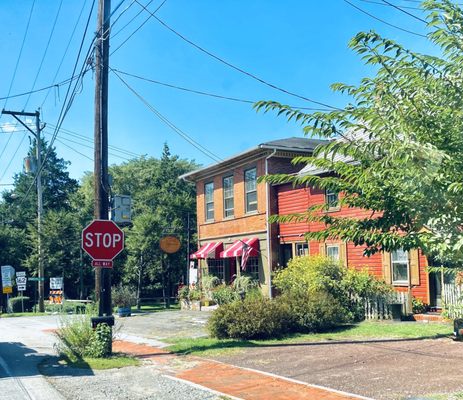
[236, 249]
[209, 250]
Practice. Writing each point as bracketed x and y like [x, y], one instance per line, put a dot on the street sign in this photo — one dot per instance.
[102, 240]
[36, 279]
[7, 272]
[56, 283]
[169, 244]
[21, 273]
[102, 263]
[21, 280]
[21, 288]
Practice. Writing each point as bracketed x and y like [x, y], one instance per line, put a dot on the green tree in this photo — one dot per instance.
[399, 145]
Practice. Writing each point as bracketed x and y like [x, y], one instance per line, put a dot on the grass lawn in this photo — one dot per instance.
[155, 307]
[117, 360]
[362, 331]
[20, 314]
[447, 396]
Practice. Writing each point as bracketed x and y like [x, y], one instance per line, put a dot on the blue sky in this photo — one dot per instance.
[300, 46]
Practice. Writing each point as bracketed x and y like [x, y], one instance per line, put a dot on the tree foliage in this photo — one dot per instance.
[397, 148]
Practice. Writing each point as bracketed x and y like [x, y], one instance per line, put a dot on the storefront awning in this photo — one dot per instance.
[209, 250]
[236, 249]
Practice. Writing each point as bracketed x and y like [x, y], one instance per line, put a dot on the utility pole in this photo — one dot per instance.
[38, 148]
[101, 205]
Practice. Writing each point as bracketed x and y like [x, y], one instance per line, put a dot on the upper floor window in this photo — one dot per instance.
[332, 199]
[228, 202]
[332, 251]
[250, 187]
[209, 200]
[302, 249]
[399, 265]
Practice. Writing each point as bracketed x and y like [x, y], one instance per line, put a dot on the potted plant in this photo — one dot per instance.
[123, 298]
[184, 297]
[208, 283]
[195, 299]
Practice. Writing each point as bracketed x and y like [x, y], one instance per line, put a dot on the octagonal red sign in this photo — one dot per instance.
[102, 240]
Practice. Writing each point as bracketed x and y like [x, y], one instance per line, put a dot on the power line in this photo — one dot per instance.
[249, 74]
[12, 158]
[20, 53]
[46, 50]
[41, 89]
[88, 140]
[404, 11]
[65, 108]
[218, 96]
[128, 23]
[177, 130]
[383, 21]
[66, 50]
[74, 150]
[387, 5]
[136, 30]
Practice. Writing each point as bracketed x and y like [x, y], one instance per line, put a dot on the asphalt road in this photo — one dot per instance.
[23, 345]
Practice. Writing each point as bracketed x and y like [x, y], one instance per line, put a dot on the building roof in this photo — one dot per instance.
[292, 144]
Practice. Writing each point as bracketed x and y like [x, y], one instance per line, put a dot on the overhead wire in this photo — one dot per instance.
[383, 21]
[136, 30]
[113, 35]
[404, 11]
[387, 5]
[236, 68]
[65, 50]
[20, 53]
[46, 51]
[166, 121]
[200, 92]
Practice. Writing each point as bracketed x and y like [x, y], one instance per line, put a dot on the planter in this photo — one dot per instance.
[195, 305]
[123, 311]
[184, 304]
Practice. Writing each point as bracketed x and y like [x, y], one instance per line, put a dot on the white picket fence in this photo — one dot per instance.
[452, 300]
[380, 307]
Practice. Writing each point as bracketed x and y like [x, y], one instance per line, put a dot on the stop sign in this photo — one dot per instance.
[102, 240]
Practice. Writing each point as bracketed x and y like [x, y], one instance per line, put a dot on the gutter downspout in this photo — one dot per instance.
[267, 215]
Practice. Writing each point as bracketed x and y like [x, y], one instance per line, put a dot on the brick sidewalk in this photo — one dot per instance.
[233, 381]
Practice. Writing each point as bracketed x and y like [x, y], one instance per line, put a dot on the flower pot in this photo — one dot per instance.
[123, 311]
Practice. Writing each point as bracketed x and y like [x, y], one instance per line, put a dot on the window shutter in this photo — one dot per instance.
[414, 267]
[343, 253]
[322, 249]
[387, 267]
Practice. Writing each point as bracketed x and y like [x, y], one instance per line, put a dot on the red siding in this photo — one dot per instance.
[294, 200]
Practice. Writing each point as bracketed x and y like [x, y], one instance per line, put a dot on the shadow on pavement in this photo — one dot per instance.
[18, 360]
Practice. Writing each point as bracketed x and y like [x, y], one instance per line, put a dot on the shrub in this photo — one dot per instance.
[184, 293]
[244, 284]
[123, 296]
[68, 308]
[316, 312]
[195, 294]
[17, 302]
[208, 283]
[224, 295]
[418, 306]
[253, 318]
[320, 276]
[77, 339]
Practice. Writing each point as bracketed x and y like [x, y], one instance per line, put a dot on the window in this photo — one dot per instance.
[332, 251]
[216, 268]
[209, 200]
[302, 249]
[250, 187]
[399, 261]
[228, 203]
[252, 267]
[332, 199]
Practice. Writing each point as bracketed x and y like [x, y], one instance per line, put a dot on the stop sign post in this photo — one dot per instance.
[102, 240]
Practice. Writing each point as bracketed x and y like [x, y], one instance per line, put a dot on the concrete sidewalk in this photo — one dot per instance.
[232, 381]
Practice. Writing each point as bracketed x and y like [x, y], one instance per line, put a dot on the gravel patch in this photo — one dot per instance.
[130, 383]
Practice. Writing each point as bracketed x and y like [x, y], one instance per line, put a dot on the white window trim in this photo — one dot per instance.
[210, 202]
[225, 216]
[252, 191]
[402, 282]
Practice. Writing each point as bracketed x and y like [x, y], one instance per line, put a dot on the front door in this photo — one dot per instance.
[435, 290]
[286, 253]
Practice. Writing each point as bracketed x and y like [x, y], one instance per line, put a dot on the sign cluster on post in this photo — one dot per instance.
[7, 278]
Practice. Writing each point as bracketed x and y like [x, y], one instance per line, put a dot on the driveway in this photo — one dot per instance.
[381, 370]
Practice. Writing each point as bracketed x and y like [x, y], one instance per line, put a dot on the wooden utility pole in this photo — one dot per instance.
[101, 205]
[38, 148]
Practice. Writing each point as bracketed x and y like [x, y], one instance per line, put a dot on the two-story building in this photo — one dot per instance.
[233, 209]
